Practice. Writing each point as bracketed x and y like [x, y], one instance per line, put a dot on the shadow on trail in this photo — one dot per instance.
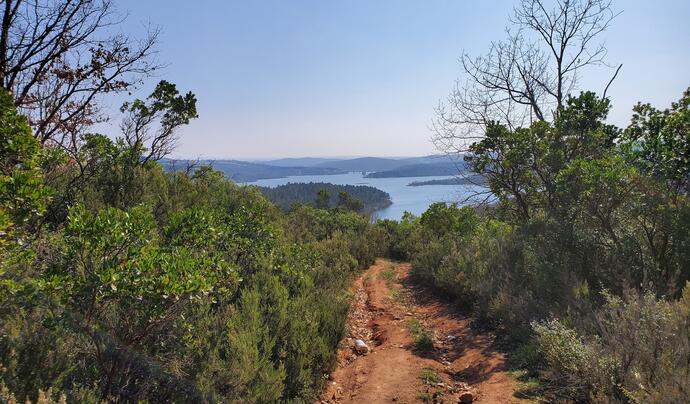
[466, 342]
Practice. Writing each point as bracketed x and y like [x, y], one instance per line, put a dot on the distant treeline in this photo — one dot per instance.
[464, 180]
[287, 195]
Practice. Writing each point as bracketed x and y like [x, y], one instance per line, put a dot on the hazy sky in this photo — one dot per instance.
[361, 77]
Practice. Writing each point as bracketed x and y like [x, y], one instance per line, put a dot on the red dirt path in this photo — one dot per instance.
[385, 303]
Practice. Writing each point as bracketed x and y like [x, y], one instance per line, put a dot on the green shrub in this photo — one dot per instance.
[429, 376]
[640, 352]
[206, 291]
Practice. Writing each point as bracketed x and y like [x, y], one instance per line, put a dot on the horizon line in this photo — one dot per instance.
[270, 158]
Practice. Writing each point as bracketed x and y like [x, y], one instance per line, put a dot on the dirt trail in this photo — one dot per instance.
[390, 313]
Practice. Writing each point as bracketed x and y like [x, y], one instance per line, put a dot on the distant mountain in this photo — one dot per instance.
[242, 171]
[434, 159]
[379, 167]
[375, 164]
[367, 164]
[300, 161]
[417, 170]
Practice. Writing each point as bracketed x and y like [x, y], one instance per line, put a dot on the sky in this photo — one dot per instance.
[278, 78]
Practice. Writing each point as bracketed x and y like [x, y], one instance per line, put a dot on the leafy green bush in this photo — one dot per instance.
[589, 226]
[166, 287]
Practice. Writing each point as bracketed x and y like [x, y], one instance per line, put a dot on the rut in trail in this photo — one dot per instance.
[394, 317]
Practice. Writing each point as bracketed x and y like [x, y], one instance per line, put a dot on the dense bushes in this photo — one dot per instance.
[640, 353]
[121, 282]
[582, 256]
[132, 284]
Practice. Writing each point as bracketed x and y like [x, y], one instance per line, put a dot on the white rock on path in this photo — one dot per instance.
[361, 347]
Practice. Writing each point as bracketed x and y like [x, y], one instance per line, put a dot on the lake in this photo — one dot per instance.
[405, 198]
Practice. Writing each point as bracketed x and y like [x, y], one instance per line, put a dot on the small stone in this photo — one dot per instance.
[466, 398]
[361, 347]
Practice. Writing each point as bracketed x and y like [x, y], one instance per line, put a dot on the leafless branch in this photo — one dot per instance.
[612, 79]
[528, 76]
[58, 57]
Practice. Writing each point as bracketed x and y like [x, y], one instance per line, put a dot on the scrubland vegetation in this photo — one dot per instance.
[122, 282]
[579, 256]
[581, 262]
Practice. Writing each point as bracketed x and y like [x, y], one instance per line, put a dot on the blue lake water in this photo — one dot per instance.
[405, 198]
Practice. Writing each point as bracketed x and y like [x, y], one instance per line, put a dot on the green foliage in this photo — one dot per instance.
[348, 202]
[358, 198]
[165, 287]
[315, 225]
[522, 165]
[423, 338]
[164, 106]
[640, 353]
[442, 219]
[43, 397]
[22, 191]
[388, 276]
[133, 284]
[250, 372]
[429, 376]
[587, 241]
[323, 199]
[658, 142]
[577, 365]
[401, 237]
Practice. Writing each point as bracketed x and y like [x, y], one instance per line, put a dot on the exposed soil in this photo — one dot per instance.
[388, 312]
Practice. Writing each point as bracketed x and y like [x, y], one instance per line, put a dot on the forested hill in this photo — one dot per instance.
[244, 171]
[364, 164]
[287, 195]
[417, 170]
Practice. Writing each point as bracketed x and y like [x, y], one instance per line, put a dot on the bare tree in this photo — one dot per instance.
[528, 76]
[57, 57]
